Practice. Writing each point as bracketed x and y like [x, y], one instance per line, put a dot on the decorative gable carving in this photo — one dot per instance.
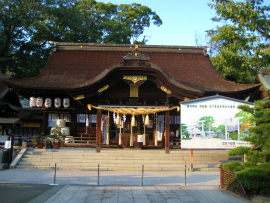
[136, 55]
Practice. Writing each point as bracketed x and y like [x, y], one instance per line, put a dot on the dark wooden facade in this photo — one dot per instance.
[95, 74]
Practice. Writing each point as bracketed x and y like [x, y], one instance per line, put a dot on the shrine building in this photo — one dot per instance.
[122, 95]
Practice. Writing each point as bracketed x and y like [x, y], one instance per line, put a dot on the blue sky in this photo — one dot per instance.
[181, 19]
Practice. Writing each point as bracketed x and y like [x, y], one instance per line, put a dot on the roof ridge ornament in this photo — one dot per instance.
[136, 55]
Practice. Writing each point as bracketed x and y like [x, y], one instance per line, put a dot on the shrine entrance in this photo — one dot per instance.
[133, 126]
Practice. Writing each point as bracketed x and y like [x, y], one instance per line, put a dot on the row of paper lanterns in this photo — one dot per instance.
[38, 102]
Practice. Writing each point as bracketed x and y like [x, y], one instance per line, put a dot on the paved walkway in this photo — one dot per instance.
[119, 186]
[119, 178]
[170, 194]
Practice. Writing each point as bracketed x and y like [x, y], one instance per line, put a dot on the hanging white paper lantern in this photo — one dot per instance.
[48, 103]
[39, 102]
[33, 101]
[66, 102]
[57, 102]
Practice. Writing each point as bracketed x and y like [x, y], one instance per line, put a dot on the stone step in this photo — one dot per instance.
[208, 158]
[117, 165]
[119, 159]
[128, 156]
[146, 157]
[109, 150]
[105, 154]
[107, 165]
[120, 151]
[94, 168]
[33, 161]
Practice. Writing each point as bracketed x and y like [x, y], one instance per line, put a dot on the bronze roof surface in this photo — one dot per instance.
[73, 66]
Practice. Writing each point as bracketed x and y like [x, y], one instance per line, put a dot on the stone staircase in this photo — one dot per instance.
[121, 159]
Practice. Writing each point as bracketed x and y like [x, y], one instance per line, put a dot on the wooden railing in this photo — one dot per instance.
[229, 181]
[82, 139]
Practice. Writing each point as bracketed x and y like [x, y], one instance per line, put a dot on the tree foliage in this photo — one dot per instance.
[254, 174]
[246, 121]
[260, 133]
[242, 44]
[27, 26]
[185, 130]
[208, 120]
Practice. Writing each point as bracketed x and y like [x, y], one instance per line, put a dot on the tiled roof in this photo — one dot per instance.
[30, 114]
[3, 105]
[70, 67]
[9, 120]
[3, 90]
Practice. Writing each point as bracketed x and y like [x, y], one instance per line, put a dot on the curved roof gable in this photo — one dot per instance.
[73, 65]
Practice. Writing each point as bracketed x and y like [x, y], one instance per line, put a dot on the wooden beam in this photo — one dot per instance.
[45, 122]
[98, 129]
[74, 123]
[167, 132]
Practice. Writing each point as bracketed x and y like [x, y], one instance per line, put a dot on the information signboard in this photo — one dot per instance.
[214, 123]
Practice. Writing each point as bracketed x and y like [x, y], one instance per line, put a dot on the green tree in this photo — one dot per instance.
[185, 130]
[246, 121]
[254, 174]
[222, 128]
[260, 133]
[207, 120]
[27, 26]
[242, 44]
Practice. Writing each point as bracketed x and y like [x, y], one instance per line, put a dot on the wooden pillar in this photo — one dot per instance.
[245, 157]
[108, 130]
[45, 122]
[167, 132]
[191, 160]
[33, 136]
[73, 123]
[98, 129]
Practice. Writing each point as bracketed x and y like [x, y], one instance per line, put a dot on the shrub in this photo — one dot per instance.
[233, 166]
[239, 151]
[234, 135]
[256, 179]
[255, 174]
